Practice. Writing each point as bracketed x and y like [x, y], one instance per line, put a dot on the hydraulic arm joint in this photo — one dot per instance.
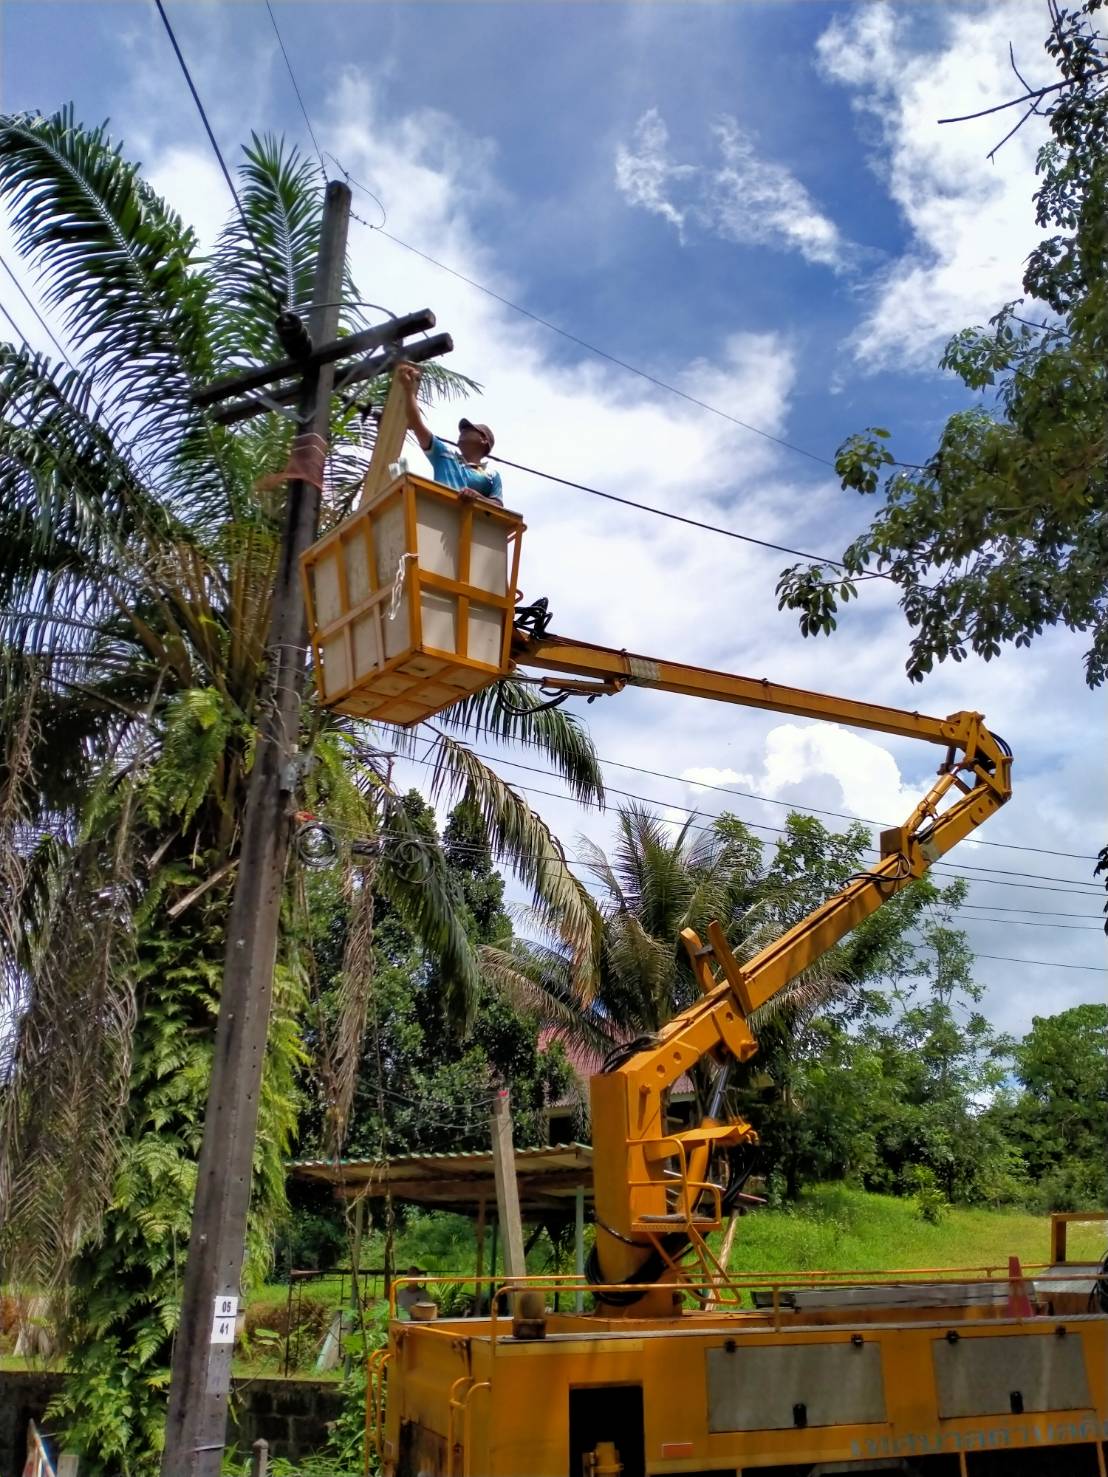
[654, 1197]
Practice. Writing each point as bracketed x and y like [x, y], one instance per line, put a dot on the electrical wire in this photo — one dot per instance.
[350, 180]
[41, 320]
[770, 800]
[296, 89]
[938, 869]
[278, 296]
[603, 353]
[611, 497]
[754, 825]
[576, 861]
[1044, 963]
[627, 502]
[935, 870]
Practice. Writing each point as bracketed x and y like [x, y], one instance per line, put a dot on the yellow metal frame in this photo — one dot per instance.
[478, 1399]
[419, 680]
[526, 1384]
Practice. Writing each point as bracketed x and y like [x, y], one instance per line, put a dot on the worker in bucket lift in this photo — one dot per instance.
[463, 470]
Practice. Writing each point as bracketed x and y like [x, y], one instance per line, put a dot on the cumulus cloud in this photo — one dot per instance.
[970, 220]
[866, 775]
[740, 196]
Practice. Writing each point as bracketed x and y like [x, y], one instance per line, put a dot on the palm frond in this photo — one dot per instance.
[72, 513]
[511, 711]
[536, 977]
[596, 862]
[280, 192]
[522, 839]
[414, 877]
[69, 1064]
[355, 989]
[120, 268]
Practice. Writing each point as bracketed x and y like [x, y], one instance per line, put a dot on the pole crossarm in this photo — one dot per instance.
[329, 353]
[370, 368]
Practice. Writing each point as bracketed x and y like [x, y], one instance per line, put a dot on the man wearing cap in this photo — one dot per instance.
[464, 469]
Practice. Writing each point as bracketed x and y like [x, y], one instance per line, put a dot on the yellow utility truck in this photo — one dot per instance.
[681, 1367]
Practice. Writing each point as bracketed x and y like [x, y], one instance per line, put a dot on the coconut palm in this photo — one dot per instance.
[657, 882]
[137, 549]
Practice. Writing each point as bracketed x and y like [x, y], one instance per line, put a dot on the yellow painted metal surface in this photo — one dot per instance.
[512, 1402]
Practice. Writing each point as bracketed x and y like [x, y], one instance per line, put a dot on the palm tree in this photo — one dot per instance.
[658, 882]
[137, 548]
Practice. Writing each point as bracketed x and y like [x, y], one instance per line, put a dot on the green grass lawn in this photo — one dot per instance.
[833, 1228]
[837, 1229]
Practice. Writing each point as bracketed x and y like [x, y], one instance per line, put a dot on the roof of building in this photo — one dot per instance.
[548, 1178]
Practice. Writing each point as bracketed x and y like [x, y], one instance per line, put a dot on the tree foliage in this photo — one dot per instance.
[1003, 531]
[425, 1081]
[138, 541]
[1059, 1119]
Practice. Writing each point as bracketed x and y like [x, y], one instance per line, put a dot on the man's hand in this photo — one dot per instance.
[468, 494]
[408, 377]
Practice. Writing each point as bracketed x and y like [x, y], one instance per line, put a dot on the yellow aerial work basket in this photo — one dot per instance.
[410, 601]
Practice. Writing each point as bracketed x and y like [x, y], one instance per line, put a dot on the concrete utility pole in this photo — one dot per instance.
[201, 1370]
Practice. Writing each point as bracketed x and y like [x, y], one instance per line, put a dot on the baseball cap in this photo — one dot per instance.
[467, 425]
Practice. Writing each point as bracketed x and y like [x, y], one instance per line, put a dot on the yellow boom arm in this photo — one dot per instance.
[651, 1188]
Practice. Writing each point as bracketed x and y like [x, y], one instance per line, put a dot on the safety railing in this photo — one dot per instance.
[680, 1190]
[460, 1402]
[689, 1193]
[778, 1285]
[781, 1286]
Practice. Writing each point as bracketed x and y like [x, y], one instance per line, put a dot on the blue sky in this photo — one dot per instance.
[750, 201]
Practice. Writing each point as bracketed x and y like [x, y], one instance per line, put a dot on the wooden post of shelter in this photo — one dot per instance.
[479, 1259]
[507, 1188]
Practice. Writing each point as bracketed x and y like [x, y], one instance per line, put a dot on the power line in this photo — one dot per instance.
[1045, 963]
[1038, 912]
[938, 869]
[603, 353]
[278, 297]
[627, 502]
[788, 805]
[754, 825]
[476, 849]
[41, 320]
[1030, 923]
[296, 89]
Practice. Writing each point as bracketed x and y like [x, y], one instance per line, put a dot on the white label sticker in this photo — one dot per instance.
[224, 1312]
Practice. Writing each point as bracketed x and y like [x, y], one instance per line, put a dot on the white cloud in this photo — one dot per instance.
[741, 197]
[864, 776]
[971, 221]
[644, 176]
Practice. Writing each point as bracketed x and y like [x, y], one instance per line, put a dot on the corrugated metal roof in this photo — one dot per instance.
[458, 1181]
[535, 1155]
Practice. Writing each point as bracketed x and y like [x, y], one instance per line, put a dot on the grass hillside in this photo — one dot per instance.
[838, 1229]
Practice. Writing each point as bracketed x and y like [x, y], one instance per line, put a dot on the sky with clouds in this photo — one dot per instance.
[752, 203]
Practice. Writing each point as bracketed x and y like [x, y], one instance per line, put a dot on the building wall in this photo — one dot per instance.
[292, 1415]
